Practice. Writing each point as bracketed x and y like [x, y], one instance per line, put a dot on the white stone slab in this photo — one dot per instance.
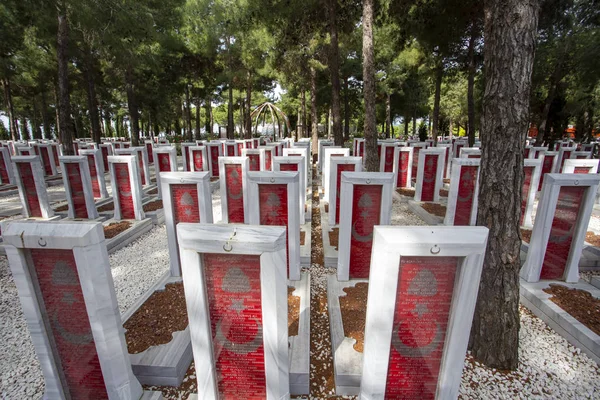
[134, 181]
[299, 345]
[581, 155]
[40, 187]
[198, 151]
[535, 152]
[440, 153]
[397, 167]
[529, 197]
[328, 153]
[160, 168]
[300, 166]
[261, 158]
[457, 164]
[564, 153]
[323, 144]
[470, 152]
[269, 154]
[6, 165]
[382, 159]
[225, 191]
[141, 161]
[334, 163]
[302, 152]
[84, 174]
[185, 154]
[47, 163]
[94, 157]
[570, 165]
[390, 245]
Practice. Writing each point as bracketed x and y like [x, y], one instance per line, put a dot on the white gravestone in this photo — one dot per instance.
[29, 177]
[532, 170]
[229, 149]
[358, 147]
[6, 171]
[564, 153]
[65, 285]
[301, 152]
[256, 159]
[447, 158]
[536, 152]
[106, 150]
[423, 289]
[96, 168]
[215, 150]
[186, 198]
[78, 187]
[461, 209]
[273, 200]
[235, 286]
[328, 153]
[165, 160]
[561, 222]
[149, 151]
[141, 161]
[470, 152]
[430, 174]
[198, 158]
[323, 144]
[46, 153]
[580, 166]
[417, 147]
[126, 187]
[234, 189]
[185, 155]
[386, 159]
[294, 164]
[581, 155]
[403, 160]
[269, 154]
[366, 201]
[338, 165]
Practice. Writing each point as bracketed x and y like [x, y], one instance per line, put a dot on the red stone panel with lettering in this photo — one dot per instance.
[235, 309]
[214, 160]
[104, 151]
[68, 323]
[3, 169]
[124, 191]
[240, 147]
[581, 157]
[140, 161]
[288, 167]
[526, 153]
[235, 193]
[94, 176]
[55, 155]
[546, 168]
[566, 156]
[230, 149]
[527, 176]
[150, 152]
[466, 195]
[458, 147]
[389, 159]
[254, 160]
[46, 162]
[184, 200]
[562, 231]
[415, 163]
[474, 156]
[379, 146]
[361, 149]
[164, 162]
[197, 160]
[402, 178]
[582, 170]
[340, 168]
[423, 301]
[31, 194]
[273, 199]
[76, 188]
[268, 156]
[366, 209]
[429, 177]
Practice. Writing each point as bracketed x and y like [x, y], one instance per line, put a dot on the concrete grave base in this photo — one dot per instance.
[165, 364]
[537, 301]
[137, 229]
[430, 219]
[158, 216]
[299, 350]
[590, 256]
[347, 362]
[595, 282]
[215, 186]
[330, 254]
[305, 249]
[151, 395]
[8, 190]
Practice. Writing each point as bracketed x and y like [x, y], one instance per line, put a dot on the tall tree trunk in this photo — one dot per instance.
[91, 95]
[406, 126]
[197, 118]
[35, 126]
[510, 38]
[328, 124]
[314, 119]
[388, 115]
[334, 69]
[64, 103]
[304, 131]
[414, 121]
[107, 122]
[188, 114]
[230, 123]
[346, 110]
[14, 132]
[248, 120]
[134, 115]
[371, 157]
[439, 73]
[208, 116]
[45, 116]
[471, 85]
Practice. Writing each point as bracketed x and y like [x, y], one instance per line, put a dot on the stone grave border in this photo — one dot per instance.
[245, 164]
[390, 244]
[330, 254]
[439, 172]
[299, 345]
[299, 161]
[546, 209]
[99, 162]
[40, 185]
[268, 242]
[84, 173]
[349, 179]
[457, 164]
[202, 182]
[327, 153]
[335, 161]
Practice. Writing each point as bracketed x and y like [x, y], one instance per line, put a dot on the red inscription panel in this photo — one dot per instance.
[466, 194]
[288, 167]
[458, 147]
[68, 323]
[104, 151]
[94, 176]
[389, 159]
[31, 194]
[581, 157]
[240, 147]
[415, 163]
[76, 188]
[361, 149]
[235, 193]
[140, 160]
[186, 154]
[214, 160]
[230, 150]
[402, 179]
[198, 160]
[582, 170]
[273, 201]
[184, 200]
[150, 152]
[366, 209]
[563, 229]
[45, 156]
[3, 170]
[546, 168]
[474, 156]
[340, 168]
[164, 162]
[379, 154]
[124, 190]
[424, 297]
[566, 156]
[55, 155]
[527, 176]
[526, 153]
[268, 154]
[254, 160]
[429, 177]
[446, 161]
[234, 301]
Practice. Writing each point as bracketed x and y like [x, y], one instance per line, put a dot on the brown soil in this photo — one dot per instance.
[446, 180]
[64, 207]
[525, 235]
[408, 192]
[580, 304]
[302, 237]
[214, 179]
[334, 237]
[592, 239]
[107, 207]
[443, 193]
[293, 312]
[113, 229]
[155, 321]
[326, 207]
[434, 208]
[187, 387]
[153, 206]
[153, 191]
[354, 313]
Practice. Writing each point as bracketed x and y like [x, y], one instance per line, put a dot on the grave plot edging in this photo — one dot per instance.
[415, 207]
[330, 254]
[305, 249]
[299, 351]
[123, 239]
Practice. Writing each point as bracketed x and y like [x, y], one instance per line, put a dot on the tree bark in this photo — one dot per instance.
[388, 115]
[45, 116]
[35, 127]
[107, 123]
[197, 119]
[134, 115]
[91, 95]
[471, 86]
[510, 38]
[370, 127]
[248, 120]
[230, 124]
[64, 103]
[188, 114]
[24, 129]
[304, 131]
[334, 69]
[14, 132]
[208, 116]
[314, 119]
[406, 126]
[439, 73]
[346, 110]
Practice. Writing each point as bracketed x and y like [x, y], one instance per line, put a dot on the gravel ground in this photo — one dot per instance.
[401, 215]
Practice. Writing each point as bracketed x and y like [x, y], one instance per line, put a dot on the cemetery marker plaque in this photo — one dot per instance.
[233, 189]
[462, 196]
[403, 166]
